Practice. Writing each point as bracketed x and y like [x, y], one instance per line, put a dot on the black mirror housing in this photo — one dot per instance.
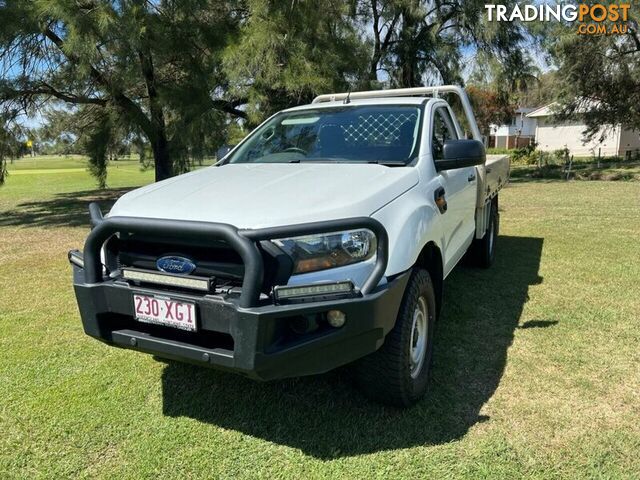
[461, 153]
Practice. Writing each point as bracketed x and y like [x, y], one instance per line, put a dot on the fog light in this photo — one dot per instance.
[336, 318]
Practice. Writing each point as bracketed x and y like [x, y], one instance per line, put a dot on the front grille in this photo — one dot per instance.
[215, 259]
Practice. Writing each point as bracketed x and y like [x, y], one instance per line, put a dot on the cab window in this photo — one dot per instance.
[443, 130]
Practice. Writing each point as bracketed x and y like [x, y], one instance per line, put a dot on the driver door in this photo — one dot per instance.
[460, 192]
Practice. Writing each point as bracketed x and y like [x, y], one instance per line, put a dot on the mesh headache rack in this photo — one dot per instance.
[410, 92]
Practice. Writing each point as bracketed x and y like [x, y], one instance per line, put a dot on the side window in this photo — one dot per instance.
[443, 130]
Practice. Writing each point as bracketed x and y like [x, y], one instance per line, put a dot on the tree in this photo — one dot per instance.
[150, 67]
[599, 78]
[417, 42]
[542, 92]
[179, 73]
[383, 17]
[517, 74]
[289, 52]
[5, 151]
[497, 88]
[489, 108]
[10, 145]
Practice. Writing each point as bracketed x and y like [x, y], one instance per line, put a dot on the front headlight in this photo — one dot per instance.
[319, 252]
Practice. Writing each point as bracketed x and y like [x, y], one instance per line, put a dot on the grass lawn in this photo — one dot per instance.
[63, 162]
[536, 373]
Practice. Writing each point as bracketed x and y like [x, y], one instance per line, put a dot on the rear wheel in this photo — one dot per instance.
[484, 249]
[398, 373]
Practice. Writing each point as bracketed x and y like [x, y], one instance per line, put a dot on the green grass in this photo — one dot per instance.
[536, 373]
[60, 162]
[76, 163]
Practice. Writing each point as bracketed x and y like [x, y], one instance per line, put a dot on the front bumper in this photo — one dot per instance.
[244, 332]
[257, 342]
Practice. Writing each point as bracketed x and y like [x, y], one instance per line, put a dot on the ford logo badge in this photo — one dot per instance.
[179, 265]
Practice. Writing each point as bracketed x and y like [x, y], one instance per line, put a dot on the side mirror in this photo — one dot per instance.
[461, 153]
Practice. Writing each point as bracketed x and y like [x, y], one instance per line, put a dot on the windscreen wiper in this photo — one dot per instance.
[389, 163]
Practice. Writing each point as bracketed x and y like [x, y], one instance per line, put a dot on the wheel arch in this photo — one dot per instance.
[430, 258]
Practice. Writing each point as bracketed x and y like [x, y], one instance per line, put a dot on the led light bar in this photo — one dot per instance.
[313, 291]
[195, 283]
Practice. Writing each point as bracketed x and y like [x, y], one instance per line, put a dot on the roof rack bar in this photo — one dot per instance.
[411, 92]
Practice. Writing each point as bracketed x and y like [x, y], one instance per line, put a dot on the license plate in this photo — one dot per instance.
[165, 311]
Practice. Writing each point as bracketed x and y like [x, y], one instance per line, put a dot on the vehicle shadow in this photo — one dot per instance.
[63, 210]
[326, 417]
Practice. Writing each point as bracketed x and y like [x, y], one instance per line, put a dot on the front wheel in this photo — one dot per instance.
[398, 373]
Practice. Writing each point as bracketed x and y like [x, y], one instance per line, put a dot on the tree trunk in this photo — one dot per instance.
[161, 157]
[409, 74]
[375, 58]
[158, 130]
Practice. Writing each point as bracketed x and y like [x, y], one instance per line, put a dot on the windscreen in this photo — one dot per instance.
[386, 134]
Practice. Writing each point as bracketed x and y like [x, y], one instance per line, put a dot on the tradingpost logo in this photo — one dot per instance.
[591, 19]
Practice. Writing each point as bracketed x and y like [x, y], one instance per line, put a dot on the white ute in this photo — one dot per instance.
[322, 239]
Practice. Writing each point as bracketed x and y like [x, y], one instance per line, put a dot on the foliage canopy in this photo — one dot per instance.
[179, 75]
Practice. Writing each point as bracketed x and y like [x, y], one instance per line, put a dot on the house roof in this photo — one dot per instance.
[542, 111]
[584, 105]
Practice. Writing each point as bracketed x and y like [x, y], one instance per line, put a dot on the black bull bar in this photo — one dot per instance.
[243, 241]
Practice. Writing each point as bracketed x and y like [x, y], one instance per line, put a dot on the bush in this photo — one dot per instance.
[525, 155]
[562, 155]
[530, 156]
[519, 156]
[499, 151]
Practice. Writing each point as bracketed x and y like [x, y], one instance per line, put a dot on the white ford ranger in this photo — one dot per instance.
[322, 239]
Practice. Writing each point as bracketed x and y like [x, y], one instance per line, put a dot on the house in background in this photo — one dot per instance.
[519, 132]
[551, 135]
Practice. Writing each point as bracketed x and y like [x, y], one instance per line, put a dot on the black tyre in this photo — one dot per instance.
[398, 373]
[484, 250]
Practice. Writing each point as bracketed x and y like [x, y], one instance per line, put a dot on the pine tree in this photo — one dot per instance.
[150, 67]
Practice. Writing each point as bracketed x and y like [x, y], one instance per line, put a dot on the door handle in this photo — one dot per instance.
[471, 177]
[441, 202]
